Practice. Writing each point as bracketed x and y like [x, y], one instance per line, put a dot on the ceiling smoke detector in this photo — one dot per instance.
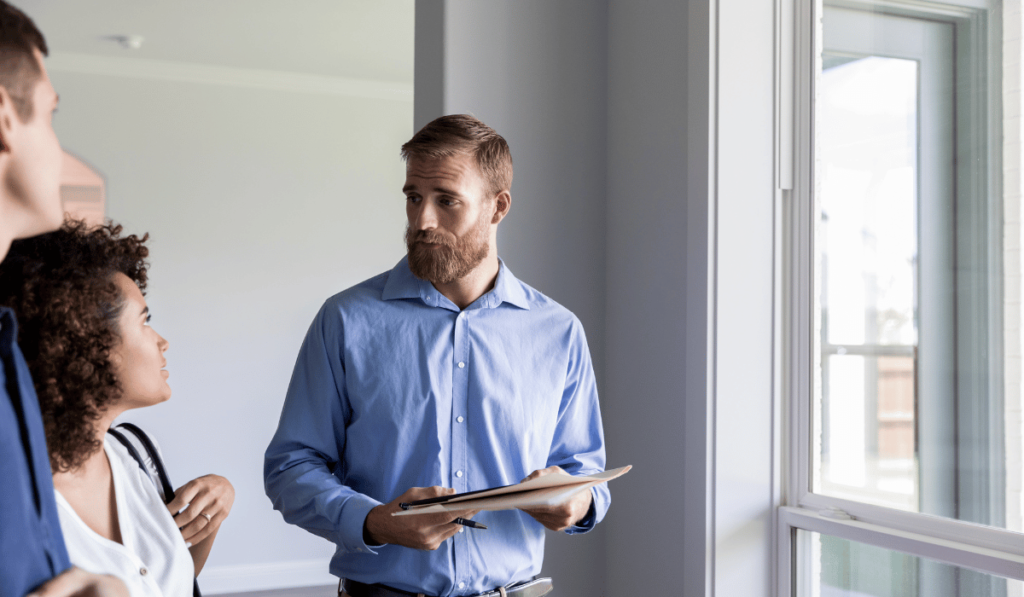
[128, 42]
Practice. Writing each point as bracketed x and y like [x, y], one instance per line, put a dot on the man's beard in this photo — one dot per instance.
[452, 260]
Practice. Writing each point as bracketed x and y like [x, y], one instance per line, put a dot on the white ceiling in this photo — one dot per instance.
[362, 39]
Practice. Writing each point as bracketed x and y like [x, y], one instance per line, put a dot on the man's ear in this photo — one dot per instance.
[502, 203]
[8, 120]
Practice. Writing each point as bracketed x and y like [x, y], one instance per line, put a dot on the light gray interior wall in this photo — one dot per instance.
[686, 340]
[658, 283]
[260, 204]
[744, 505]
[534, 70]
[429, 69]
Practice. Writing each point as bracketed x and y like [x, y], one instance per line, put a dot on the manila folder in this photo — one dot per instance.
[549, 490]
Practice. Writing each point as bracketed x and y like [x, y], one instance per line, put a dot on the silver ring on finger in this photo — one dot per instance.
[208, 517]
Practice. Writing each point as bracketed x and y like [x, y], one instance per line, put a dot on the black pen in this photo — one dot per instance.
[469, 523]
[460, 520]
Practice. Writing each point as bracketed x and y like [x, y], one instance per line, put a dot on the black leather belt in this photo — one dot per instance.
[530, 588]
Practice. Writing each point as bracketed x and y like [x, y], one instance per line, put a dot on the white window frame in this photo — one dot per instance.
[986, 549]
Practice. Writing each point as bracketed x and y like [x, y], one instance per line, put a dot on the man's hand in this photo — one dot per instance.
[76, 582]
[419, 531]
[564, 515]
[201, 505]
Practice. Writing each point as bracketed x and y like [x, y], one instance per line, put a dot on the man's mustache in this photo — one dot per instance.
[433, 238]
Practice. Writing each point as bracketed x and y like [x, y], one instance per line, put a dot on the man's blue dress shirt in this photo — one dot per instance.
[395, 387]
[31, 545]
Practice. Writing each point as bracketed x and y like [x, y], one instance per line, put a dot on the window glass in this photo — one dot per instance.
[833, 567]
[917, 359]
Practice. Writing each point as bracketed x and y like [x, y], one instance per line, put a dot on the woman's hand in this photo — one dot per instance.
[200, 506]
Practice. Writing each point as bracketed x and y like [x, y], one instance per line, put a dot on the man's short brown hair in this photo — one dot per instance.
[462, 134]
[19, 69]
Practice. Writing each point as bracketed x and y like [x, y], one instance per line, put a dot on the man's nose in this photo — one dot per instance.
[424, 217]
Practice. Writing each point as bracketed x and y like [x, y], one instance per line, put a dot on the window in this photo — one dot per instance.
[903, 302]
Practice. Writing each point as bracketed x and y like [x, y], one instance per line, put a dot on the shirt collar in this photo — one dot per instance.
[402, 284]
[8, 329]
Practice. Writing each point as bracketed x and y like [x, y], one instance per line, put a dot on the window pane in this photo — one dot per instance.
[917, 394]
[832, 567]
[875, 391]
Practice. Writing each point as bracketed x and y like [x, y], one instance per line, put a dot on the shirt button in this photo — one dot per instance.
[462, 585]
[143, 571]
[460, 419]
[462, 529]
[461, 365]
[458, 473]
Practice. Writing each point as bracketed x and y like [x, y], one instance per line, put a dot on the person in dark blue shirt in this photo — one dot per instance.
[32, 553]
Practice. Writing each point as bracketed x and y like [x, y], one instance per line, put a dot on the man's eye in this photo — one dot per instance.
[148, 318]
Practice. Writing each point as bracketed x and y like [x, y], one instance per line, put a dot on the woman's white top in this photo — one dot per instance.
[153, 561]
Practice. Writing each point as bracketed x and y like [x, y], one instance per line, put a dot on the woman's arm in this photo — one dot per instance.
[200, 551]
[199, 507]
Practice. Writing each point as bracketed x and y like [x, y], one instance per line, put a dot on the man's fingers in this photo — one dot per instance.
[431, 520]
[442, 533]
[422, 493]
[544, 471]
[554, 522]
[76, 582]
[65, 584]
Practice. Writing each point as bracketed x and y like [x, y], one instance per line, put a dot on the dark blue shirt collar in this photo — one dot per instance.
[8, 329]
[402, 284]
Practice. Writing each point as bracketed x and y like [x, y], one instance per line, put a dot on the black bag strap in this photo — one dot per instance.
[161, 472]
[131, 447]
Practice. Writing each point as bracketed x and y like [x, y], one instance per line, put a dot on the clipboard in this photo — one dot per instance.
[548, 490]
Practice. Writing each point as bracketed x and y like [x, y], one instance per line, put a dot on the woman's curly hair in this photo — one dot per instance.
[61, 287]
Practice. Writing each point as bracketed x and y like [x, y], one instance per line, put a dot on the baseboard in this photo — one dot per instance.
[217, 580]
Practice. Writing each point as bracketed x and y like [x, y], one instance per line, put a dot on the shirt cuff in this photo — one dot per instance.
[589, 520]
[353, 517]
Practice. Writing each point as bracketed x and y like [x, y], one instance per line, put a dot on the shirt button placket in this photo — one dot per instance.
[460, 397]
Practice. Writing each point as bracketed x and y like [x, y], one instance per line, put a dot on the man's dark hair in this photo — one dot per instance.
[462, 134]
[19, 70]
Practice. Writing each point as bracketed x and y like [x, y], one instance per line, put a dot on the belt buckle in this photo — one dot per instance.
[536, 587]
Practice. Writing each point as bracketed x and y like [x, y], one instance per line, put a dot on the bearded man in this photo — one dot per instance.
[444, 375]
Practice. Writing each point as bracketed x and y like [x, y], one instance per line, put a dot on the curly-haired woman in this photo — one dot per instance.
[78, 295]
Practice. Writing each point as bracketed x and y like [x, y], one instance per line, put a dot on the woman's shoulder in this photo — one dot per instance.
[129, 443]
